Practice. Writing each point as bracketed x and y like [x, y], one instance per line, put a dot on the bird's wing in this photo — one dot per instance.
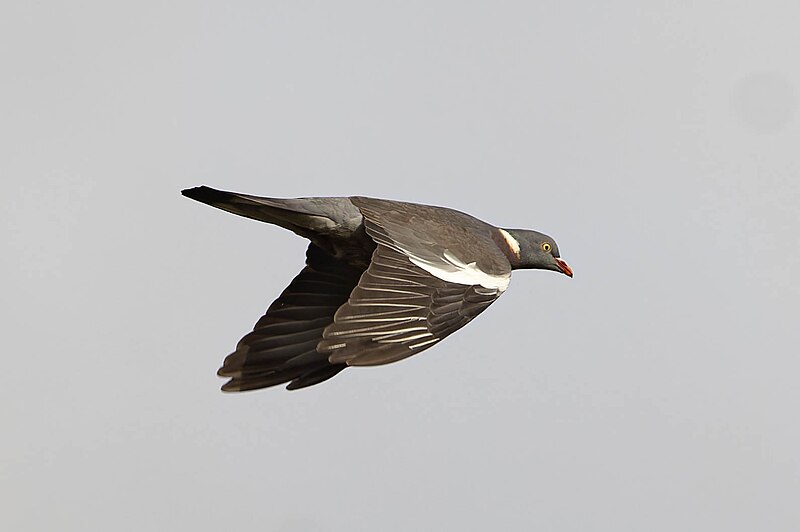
[397, 310]
[281, 347]
[433, 271]
[448, 244]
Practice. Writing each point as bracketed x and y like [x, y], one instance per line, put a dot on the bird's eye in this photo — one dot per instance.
[546, 247]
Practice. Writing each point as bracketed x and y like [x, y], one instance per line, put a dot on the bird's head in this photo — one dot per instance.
[535, 250]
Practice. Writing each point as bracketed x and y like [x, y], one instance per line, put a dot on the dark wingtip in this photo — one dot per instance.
[193, 192]
[231, 386]
[205, 194]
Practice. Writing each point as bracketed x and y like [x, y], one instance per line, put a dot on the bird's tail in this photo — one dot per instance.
[304, 216]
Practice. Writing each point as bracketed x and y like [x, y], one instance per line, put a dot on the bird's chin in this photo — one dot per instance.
[563, 267]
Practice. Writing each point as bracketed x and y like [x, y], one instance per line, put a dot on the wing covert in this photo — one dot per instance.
[448, 244]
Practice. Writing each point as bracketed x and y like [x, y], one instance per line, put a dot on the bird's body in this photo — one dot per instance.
[383, 280]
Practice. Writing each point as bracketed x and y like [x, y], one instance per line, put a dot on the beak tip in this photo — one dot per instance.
[564, 267]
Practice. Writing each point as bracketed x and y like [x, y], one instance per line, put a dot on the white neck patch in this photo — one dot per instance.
[511, 241]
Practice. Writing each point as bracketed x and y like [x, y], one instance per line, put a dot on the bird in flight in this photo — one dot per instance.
[383, 280]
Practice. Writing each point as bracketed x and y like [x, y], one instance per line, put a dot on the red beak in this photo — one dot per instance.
[564, 267]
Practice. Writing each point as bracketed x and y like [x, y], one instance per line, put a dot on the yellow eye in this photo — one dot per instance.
[546, 247]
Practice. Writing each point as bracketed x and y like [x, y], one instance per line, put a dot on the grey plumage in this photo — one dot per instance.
[383, 280]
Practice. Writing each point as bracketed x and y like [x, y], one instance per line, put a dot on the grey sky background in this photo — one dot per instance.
[657, 142]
